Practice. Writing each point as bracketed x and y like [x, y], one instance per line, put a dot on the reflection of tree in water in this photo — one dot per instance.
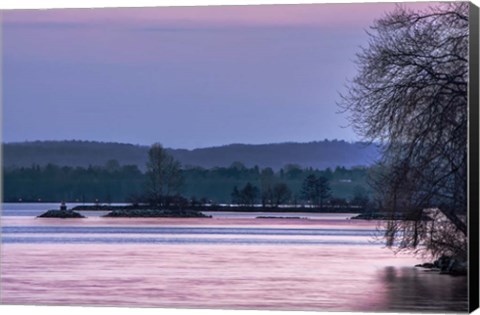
[415, 289]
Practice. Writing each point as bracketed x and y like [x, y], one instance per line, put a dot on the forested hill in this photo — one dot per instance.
[318, 155]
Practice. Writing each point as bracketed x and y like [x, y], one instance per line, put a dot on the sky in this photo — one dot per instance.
[186, 77]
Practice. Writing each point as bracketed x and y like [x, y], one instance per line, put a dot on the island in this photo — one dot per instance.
[62, 214]
[131, 211]
[155, 213]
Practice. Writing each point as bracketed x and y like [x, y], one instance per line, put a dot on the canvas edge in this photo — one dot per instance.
[473, 148]
[473, 95]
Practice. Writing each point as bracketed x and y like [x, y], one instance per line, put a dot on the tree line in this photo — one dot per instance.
[166, 178]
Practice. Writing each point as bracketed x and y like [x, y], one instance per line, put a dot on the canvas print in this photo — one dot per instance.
[265, 157]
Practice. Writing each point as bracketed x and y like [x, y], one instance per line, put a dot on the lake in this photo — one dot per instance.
[320, 262]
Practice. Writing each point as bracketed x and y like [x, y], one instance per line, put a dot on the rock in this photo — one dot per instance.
[62, 214]
[454, 267]
[273, 217]
[426, 265]
[447, 265]
[156, 213]
[95, 208]
[371, 216]
[385, 216]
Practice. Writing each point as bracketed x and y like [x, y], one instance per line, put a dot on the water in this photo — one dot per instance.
[35, 209]
[232, 261]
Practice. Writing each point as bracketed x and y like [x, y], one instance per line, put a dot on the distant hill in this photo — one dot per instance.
[320, 155]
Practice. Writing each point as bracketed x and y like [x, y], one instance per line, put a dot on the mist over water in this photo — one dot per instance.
[324, 262]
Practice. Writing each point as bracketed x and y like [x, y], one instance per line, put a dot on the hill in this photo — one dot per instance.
[319, 154]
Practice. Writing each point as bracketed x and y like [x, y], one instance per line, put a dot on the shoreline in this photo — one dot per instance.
[221, 208]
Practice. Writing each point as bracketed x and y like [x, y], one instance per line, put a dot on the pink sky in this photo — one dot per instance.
[255, 15]
[213, 68]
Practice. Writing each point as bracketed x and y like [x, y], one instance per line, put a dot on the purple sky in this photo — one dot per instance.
[185, 77]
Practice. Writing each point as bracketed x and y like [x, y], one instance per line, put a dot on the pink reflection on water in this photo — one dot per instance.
[319, 277]
[192, 222]
[213, 276]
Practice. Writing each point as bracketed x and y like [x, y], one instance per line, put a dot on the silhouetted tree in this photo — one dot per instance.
[112, 166]
[360, 197]
[339, 202]
[293, 171]
[281, 194]
[410, 95]
[164, 176]
[324, 191]
[235, 195]
[247, 196]
[128, 184]
[316, 190]
[267, 178]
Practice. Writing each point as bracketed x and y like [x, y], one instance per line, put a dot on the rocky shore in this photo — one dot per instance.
[371, 216]
[62, 214]
[384, 216]
[155, 213]
[447, 265]
[125, 212]
[222, 208]
[273, 217]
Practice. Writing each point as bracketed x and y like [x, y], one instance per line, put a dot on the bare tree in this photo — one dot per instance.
[410, 95]
[164, 176]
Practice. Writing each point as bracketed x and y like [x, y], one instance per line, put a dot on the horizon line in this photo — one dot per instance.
[190, 149]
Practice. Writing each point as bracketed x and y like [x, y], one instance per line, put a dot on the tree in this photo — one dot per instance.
[112, 165]
[323, 191]
[281, 194]
[316, 190]
[338, 202]
[410, 96]
[292, 171]
[164, 176]
[249, 194]
[235, 195]
[360, 197]
[246, 196]
[309, 190]
[267, 177]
